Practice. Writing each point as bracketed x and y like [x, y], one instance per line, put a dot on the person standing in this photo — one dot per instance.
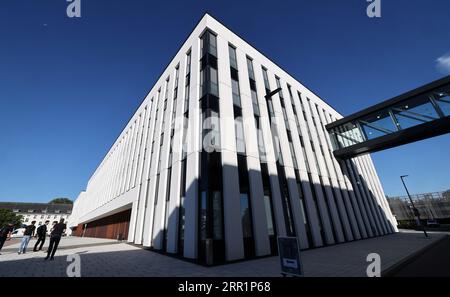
[55, 237]
[50, 231]
[29, 231]
[41, 233]
[5, 233]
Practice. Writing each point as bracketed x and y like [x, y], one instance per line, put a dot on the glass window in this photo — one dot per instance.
[255, 102]
[294, 159]
[215, 129]
[166, 93]
[181, 225]
[177, 68]
[306, 160]
[174, 109]
[175, 93]
[442, 98]
[290, 93]
[286, 121]
[279, 86]
[251, 72]
[211, 132]
[270, 107]
[233, 60]
[181, 210]
[236, 95]
[240, 141]
[268, 208]
[261, 148]
[350, 134]
[373, 126]
[186, 98]
[203, 214]
[278, 153]
[188, 63]
[185, 132]
[214, 82]
[212, 44]
[208, 43]
[203, 85]
[217, 212]
[169, 176]
[245, 216]
[266, 78]
[416, 111]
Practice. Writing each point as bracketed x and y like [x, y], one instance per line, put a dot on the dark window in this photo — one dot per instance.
[255, 102]
[260, 138]
[156, 190]
[208, 44]
[232, 54]
[181, 214]
[251, 73]
[166, 205]
[236, 94]
[246, 213]
[210, 182]
[266, 80]
[208, 66]
[187, 82]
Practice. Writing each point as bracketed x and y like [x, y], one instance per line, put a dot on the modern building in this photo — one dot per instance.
[212, 169]
[39, 212]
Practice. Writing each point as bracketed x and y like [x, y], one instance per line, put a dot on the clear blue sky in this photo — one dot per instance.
[68, 86]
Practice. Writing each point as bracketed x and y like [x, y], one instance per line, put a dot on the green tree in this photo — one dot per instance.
[61, 201]
[7, 216]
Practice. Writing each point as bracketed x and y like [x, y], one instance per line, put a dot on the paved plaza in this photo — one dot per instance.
[105, 257]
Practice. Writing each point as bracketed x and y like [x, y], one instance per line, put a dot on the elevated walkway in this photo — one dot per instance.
[416, 115]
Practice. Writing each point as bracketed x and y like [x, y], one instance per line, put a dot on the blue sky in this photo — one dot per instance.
[68, 86]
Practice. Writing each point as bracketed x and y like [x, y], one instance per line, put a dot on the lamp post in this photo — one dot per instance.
[271, 94]
[415, 210]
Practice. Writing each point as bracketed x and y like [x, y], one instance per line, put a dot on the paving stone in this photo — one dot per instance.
[105, 257]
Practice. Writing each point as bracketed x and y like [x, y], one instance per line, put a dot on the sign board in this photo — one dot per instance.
[289, 252]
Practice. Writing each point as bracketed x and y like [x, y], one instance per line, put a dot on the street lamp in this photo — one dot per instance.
[271, 94]
[415, 210]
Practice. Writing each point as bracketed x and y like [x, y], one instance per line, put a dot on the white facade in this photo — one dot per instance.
[42, 217]
[309, 193]
[39, 212]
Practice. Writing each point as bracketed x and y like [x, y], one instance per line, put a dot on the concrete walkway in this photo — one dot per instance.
[104, 257]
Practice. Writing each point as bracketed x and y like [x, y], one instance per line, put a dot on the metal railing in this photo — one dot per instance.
[431, 206]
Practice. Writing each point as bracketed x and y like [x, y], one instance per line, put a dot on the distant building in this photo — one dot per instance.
[431, 206]
[39, 212]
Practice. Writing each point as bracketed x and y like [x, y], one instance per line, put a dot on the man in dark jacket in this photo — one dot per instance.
[5, 233]
[41, 233]
[55, 237]
[27, 234]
